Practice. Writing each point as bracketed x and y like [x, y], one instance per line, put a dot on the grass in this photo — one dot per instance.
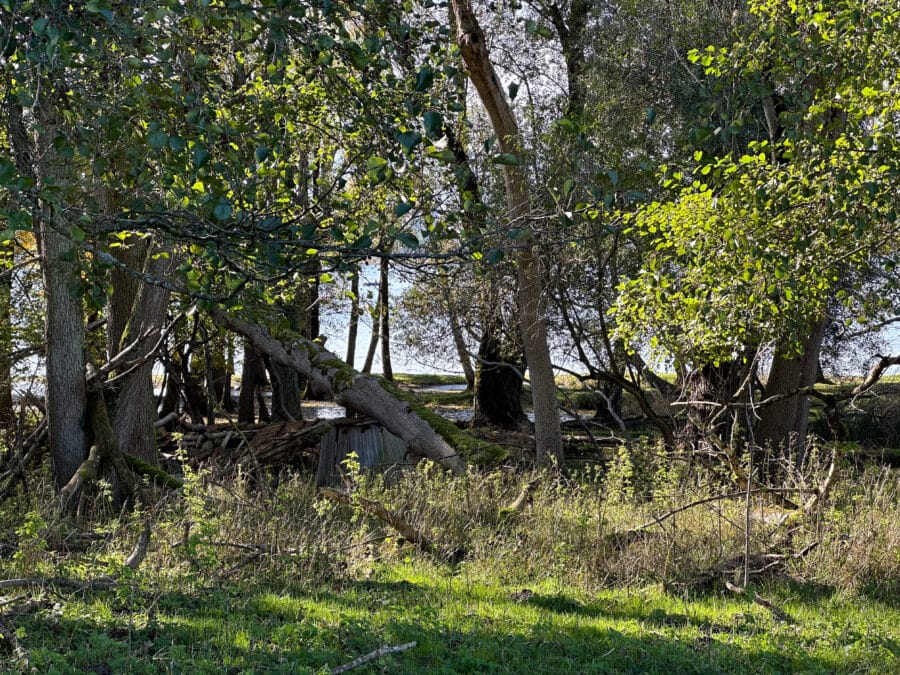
[246, 575]
[461, 625]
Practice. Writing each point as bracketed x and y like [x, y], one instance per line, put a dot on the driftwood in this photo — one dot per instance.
[757, 599]
[278, 444]
[377, 509]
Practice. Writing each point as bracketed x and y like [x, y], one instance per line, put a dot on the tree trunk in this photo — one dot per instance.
[373, 341]
[384, 300]
[7, 414]
[397, 412]
[459, 340]
[498, 383]
[286, 399]
[711, 417]
[783, 425]
[571, 32]
[354, 318]
[253, 375]
[135, 409]
[471, 41]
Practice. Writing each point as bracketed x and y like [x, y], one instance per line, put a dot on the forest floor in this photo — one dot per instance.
[623, 567]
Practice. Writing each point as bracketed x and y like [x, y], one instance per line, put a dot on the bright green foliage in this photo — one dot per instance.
[750, 248]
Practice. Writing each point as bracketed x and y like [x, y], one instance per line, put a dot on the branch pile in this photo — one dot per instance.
[282, 444]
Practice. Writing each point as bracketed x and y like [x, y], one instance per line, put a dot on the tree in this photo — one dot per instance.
[749, 250]
[472, 44]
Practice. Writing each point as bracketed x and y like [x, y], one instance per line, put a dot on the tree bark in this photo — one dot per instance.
[471, 41]
[498, 383]
[459, 342]
[373, 341]
[64, 328]
[135, 410]
[7, 413]
[354, 319]
[783, 425]
[253, 375]
[384, 299]
[397, 413]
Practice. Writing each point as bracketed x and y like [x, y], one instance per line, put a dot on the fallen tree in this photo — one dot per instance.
[427, 435]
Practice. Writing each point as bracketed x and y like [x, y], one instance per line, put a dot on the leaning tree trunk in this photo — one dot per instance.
[471, 41]
[374, 339]
[459, 340]
[397, 412]
[783, 424]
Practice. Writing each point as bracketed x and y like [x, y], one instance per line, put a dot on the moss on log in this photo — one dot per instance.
[427, 434]
[145, 469]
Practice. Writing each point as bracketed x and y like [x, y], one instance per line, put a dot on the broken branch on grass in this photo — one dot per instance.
[371, 656]
[377, 509]
[757, 599]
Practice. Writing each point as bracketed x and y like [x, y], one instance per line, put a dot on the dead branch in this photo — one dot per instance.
[406, 530]
[630, 536]
[519, 503]
[371, 656]
[757, 599]
[140, 548]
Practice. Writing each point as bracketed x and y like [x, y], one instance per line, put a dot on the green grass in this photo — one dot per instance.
[250, 575]
[462, 624]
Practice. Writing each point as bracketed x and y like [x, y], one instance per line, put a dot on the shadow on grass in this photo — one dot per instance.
[269, 630]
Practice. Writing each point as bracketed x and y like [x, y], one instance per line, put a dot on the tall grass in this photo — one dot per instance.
[569, 532]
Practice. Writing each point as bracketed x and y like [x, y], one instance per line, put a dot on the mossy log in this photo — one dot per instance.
[428, 435]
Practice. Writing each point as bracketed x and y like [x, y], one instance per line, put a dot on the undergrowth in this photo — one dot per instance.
[268, 552]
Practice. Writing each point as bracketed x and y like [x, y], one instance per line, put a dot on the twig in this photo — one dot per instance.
[757, 599]
[630, 535]
[371, 656]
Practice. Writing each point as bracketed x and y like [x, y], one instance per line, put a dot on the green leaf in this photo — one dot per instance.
[402, 208]
[376, 163]
[7, 171]
[158, 140]
[651, 115]
[442, 155]
[513, 90]
[77, 233]
[424, 79]
[201, 156]
[409, 140]
[568, 186]
[408, 239]
[506, 159]
[222, 211]
[432, 122]
[261, 153]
